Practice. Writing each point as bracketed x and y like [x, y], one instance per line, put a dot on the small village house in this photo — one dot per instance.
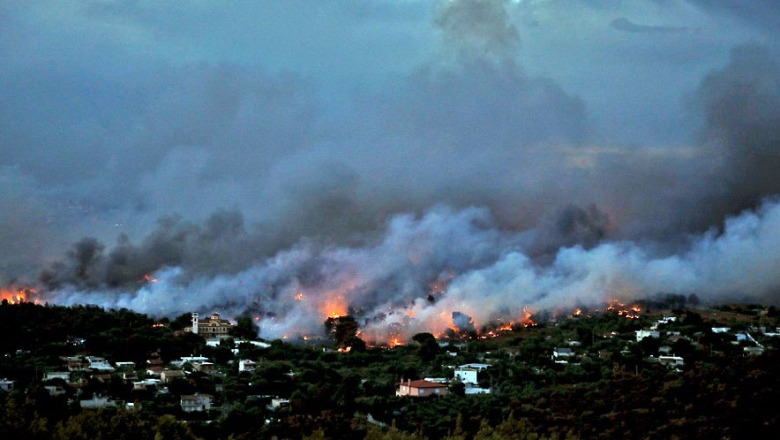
[196, 402]
[421, 388]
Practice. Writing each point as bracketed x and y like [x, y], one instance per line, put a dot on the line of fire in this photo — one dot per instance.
[343, 323]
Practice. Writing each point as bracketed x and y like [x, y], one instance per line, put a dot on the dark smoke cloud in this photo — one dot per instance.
[23, 227]
[741, 105]
[478, 28]
[388, 284]
[570, 226]
[462, 322]
[364, 183]
[221, 245]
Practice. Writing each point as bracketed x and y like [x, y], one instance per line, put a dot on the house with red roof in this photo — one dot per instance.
[421, 388]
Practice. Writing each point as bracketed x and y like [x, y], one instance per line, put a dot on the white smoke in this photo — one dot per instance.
[387, 285]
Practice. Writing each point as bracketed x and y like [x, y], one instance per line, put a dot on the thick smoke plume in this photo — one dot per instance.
[388, 285]
[460, 183]
[479, 28]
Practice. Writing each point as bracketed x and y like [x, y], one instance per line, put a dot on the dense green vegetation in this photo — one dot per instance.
[609, 390]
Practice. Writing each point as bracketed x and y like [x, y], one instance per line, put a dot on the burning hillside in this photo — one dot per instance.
[17, 295]
[448, 271]
[447, 190]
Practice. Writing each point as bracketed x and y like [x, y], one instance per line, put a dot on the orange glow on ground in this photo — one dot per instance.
[629, 312]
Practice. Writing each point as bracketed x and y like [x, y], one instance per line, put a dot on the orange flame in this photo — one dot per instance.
[18, 296]
[149, 278]
[335, 307]
[630, 312]
[527, 321]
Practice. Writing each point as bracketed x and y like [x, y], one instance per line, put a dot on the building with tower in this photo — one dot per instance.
[213, 327]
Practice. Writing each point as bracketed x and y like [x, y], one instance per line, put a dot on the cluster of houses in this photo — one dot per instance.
[666, 355]
[466, 374]
[153, 377]
[156, 375]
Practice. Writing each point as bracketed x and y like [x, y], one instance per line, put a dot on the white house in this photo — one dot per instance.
[168, 376]
[476, 366]
[472, 389]
[146, 384]
[97, 402]
[671, 361]
[99, 364]
[196, 402]
[466, 375]
[663, 321]
[278, 402]
[54, 390]
[442, 380]
[561, 355]
[64, 375]
[641, 334]
[6, 385]
[246, 365]
[125, 365]
[191, 359]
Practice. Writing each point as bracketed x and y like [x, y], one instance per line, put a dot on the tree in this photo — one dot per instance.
[245, 328]
[343, 329]
[458, 388]
[181, 321]
[168, 428]
[429, 348]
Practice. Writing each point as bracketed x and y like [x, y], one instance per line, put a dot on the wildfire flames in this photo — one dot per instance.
[526, 321]
[19, 295]
[630, 312]
[335, 307]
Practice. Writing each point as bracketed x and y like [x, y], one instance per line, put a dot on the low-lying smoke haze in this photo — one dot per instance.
[417, 164]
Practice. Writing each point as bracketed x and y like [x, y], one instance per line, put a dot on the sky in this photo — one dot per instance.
[527, 152]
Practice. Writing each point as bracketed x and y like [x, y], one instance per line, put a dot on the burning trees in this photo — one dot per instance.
[344, 331]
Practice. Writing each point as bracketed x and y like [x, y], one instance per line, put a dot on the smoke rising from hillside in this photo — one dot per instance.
[488, 277]
[241, 186]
